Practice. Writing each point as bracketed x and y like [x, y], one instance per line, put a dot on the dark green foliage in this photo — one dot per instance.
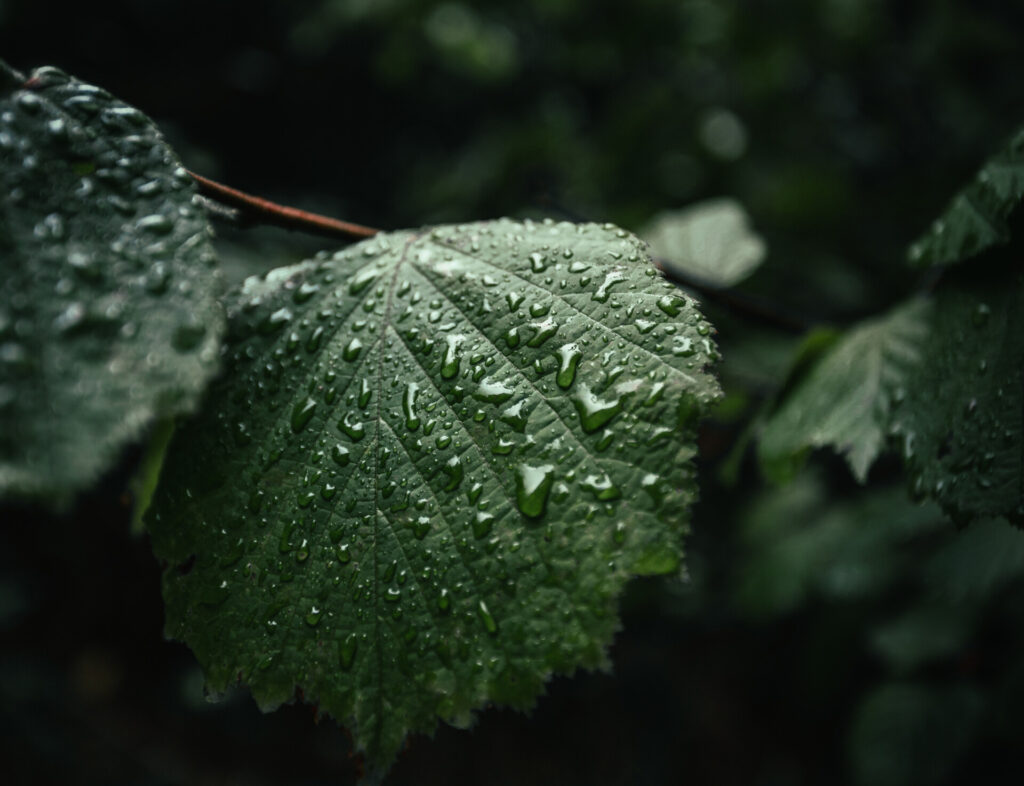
[940, 377]
[827, 631]
[108, 304]
[433, 462]
[846, 400]
[976, 218]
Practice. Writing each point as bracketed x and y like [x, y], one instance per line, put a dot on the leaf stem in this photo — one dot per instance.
[264, 211]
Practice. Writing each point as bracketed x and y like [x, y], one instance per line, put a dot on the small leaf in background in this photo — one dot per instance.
[108, 310]
[711, 242]
[976, 218]
[434, 460]
[798, 543]
[846, 399]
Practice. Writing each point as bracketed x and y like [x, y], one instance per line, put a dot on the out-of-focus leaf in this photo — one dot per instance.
[711, 242]
[797, 542]
[108, 302]
[977, 561]
[924, 633]
[976, 218]
[959, 426]
[845, 401]
[912, 734]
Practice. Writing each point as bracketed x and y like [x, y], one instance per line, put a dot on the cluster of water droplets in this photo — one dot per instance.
[441, 451]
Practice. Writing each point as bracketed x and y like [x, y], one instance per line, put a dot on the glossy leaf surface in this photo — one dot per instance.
[977, 217]
[435, 459]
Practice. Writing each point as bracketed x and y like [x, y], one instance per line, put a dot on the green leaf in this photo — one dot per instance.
[846, 399]
[434, 461]
[798, 541]
[976, 218]
[960, 426]
[711, 241]
[940, 378]
[108, 311]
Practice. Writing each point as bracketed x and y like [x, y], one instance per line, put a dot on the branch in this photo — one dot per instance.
[247, 207]
[263, 211]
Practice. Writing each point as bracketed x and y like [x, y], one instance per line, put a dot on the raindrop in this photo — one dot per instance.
[412, 422]
[276, 321]
[340, 455]
[313, 617]
[487, 618]
[503, 446]
[493, 392]
[347, 651]
[302, 412]
[454, 470]
[568, 357]
[313, 342]
[304, 292]
[601, 486]
[542, 332]
[611, 278]
[514, 300]
[516, 416]
[671, 304]
[533, 484]
[156, 223]
[362, 280]
[594, 412]
[483, 523]
[354, 428]
[364, 393]
[450, 363]
[352, 350]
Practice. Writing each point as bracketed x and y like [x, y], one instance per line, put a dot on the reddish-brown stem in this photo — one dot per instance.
[267, 212]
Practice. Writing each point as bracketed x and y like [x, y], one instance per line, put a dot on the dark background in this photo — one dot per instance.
[828, 632]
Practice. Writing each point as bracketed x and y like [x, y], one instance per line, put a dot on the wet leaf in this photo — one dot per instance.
[434, 460]
[976, 218]
[939, 380]
[846, 399]
[108, 316]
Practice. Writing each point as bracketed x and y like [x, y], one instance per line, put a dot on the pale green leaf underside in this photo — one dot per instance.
[434, 460]
[711, 241]
[846, 399]
[976, 218]
[108, 316]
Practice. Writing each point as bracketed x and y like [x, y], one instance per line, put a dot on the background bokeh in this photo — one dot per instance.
[827, 632]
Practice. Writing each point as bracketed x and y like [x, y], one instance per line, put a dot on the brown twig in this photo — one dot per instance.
[266, 212]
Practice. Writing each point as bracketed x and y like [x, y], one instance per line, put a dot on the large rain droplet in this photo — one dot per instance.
[302, 412]
[594, 412]
[533, 485]
[568, 357]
